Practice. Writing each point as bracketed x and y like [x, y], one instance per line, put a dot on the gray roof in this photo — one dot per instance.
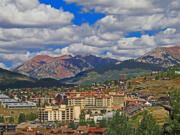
[26, 104]
[12, 103]
[2, 96]
[109, 115]
[8, 101]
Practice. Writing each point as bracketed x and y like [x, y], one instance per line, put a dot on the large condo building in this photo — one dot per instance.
[97, 100]
[59, 113]
[76, 101]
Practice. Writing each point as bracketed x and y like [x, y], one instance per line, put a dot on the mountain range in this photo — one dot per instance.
[44, 66]
[166, 57]
[84, 69]
[124, 70]
[10, 79]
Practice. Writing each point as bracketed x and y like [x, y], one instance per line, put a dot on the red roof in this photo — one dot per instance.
[95, 129]
[82, 128]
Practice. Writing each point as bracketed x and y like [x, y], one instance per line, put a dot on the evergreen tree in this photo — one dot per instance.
[82, 120]
[129, 85]
[148, 126]
[174, 128]
[31, 116]
[91, 123]
[103, 123]
[21, 118]
[119, 125]
[2, 119]
[72, 125]
[11, 120]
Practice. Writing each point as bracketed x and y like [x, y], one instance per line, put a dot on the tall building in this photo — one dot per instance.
[86, 100]
[59, 113]
[76, 101]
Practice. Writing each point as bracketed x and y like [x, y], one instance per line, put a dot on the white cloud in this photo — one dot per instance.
[30, 13]
[36, 38]
[28, 25]
[2, 65]
[80, 48]
[116, 6]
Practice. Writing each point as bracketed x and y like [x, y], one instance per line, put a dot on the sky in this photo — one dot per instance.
[120, 29]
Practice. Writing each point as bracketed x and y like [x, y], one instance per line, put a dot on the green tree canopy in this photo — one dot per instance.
[82, 120]
[174, 128]
[2, 119]
[119, 125]
[103, 123]
[21, 118]
[72, 125]
[148, 126]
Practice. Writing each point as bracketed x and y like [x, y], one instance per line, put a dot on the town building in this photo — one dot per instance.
[177, 72]
[21, 105]
[43, 100]
[12, 103]
[7, 128]
[96, 100]
[59, 113]
[84, 130]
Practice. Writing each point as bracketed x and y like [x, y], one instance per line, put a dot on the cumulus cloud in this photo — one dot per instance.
[131, 16]
[2, 65]
[36, 38]
[28, 28]
[116, 6]
[30, 13]
[80, 48]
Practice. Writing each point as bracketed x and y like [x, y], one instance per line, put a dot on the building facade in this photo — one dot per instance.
[108, 101]
[59, 113]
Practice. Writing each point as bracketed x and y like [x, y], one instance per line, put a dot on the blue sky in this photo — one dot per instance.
[90, 17]
[138, 34]
[80, 17]
[118, 29]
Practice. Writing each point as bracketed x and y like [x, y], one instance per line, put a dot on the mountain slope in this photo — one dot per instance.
[65, 66]
[10, 79]
[8, 76]
[166, 57]
[126, 69]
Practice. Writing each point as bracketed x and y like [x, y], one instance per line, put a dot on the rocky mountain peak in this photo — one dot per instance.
[165, 56]
[65, 57]
[65, 66]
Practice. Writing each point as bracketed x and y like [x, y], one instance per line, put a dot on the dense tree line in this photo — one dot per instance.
[168, 74]
[6, 120]
[2, 120]
[120, 125]
[173, 128]
[29, 117]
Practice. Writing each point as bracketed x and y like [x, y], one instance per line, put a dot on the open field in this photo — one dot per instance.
[158, 113]
[15, 112]
[156, 87]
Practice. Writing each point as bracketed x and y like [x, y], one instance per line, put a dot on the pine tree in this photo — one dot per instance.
[2, 119]
[31, 116]
[72, 125]
[82, 120]
[148, 126]
[174, 128]
[91, 123]
[21, 118]
[11, 120]
[119, 125]
[103, 123]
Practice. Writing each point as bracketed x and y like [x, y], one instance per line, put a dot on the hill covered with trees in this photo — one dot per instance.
[126, 69]
[10, 79]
